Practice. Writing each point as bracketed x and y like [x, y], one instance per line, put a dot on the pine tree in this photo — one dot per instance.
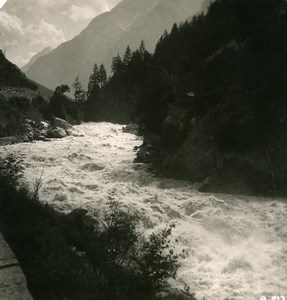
[93, 84]
[102, 75]
[79, 94]
[117, 64]
[174, 29]
[142, 50]
[127, 56]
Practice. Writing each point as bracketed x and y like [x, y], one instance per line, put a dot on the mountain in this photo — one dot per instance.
[13, 79]
[16, 95]
[45, 51]
[108, 34]
[27, 27]
[25, 103]
[12, 76]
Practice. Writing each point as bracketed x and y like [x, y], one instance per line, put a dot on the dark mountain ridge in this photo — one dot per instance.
[12, 76]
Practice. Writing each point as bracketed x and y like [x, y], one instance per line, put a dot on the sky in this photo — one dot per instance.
[2, 2]
[29, 26]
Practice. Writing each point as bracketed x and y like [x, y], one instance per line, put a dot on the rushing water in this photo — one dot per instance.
[236, 246]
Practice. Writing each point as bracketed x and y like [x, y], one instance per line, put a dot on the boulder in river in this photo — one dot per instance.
[62, 123]
[57, 133]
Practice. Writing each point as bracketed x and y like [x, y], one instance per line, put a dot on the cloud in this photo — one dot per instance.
[2, 2]
[14, 36]
[89, 10]
[10, 24]
[26, 28]
[52, 3]
[43, 32]
[77, 13]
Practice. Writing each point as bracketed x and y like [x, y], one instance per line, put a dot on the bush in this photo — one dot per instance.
[158, 260]
[11, 170]
[129, 266]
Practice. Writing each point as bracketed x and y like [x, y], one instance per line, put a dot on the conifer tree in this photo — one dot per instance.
[102, 76]
[142, 50]
[117, 64]
[174, 29]
[142, 47]
[79, 94]
[127, 56]
[93, 84]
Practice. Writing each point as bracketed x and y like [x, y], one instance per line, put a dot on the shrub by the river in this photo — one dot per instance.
[129, 266]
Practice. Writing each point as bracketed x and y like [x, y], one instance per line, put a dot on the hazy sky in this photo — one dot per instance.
[2, 2]
[28, 26]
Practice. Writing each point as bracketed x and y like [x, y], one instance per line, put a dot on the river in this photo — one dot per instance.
[236, 246]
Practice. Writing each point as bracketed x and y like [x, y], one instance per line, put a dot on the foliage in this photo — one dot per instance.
[58, 100]
[11, 170]
[64, 107]
[117, 64]
[117, 99]
[80, 94]
[126, 267]
[97, 81]
[61, 89]
[15, 111]
[127, 56]
[158, 260]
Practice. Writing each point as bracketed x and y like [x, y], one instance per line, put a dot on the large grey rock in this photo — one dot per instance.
[44, 125]
[57, 133]
[29, 130]
[62, 123]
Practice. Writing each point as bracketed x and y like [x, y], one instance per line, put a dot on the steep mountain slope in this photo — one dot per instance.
[45, 51]
[25, 103]
[16, 95]
[12, 76]
[108, 34]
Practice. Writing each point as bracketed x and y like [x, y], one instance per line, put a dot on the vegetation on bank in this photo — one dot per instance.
[77, 256]
[23, 102]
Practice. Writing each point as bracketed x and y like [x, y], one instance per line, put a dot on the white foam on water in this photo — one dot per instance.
[236, 247]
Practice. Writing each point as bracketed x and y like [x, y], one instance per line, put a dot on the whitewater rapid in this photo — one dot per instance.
[236, 246]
